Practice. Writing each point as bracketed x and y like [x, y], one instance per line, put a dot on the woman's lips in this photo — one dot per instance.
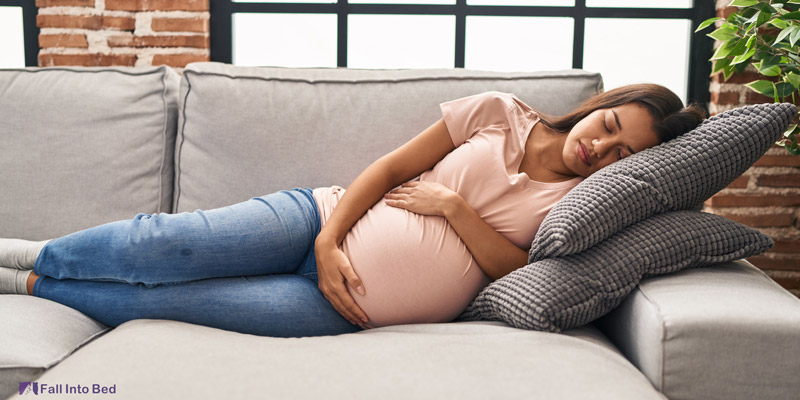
[583, 154]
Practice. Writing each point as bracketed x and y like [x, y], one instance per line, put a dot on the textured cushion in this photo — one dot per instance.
[159, 359]
[250, 131]
[37, 334]
[724, 332]
[565, 292]
[82, 146]
[678, 175]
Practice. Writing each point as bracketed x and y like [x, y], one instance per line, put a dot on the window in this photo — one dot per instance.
[500, 35]
[19, 46]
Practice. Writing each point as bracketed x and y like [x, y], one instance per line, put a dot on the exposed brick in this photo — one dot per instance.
[178, 60]
[158, 41]
[180, 25]
[787, 282]
[87, 60]
[787, 246]
[726, 11]
[740, 182]
[725, 98]
[64, 3]
[94, 22]
[791, 263]
[778, 160]
[63, 41]
[122, 23]
[744, 77]
[762, 220]
[751, 97]
[769, 30]
[753, 200]
[786, 180]
[157, 5]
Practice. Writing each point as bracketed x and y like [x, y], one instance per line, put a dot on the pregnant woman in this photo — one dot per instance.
[388, 250]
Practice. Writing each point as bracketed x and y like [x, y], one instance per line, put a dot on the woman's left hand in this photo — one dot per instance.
[422, 197]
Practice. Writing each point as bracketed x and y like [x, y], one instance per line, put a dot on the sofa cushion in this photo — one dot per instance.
[36, 335]
[727, 331]
[677, 175]
[250, 131]
[82, 146]
[566, 292]
[472, 360]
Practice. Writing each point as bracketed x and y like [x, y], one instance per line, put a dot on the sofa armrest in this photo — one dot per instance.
[725, 331]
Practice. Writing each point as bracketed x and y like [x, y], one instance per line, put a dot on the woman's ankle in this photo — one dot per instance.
[32, 281]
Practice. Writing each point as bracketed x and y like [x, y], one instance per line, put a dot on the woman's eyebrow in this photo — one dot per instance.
[616, 119]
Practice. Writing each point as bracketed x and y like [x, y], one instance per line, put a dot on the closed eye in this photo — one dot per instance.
[619, 153]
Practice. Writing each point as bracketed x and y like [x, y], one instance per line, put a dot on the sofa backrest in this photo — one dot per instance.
[82, 146]
[250, 131]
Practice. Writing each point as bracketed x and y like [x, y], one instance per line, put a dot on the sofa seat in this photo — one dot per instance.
[466, 360]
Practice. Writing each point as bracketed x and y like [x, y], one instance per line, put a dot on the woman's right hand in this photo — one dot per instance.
[334, 271]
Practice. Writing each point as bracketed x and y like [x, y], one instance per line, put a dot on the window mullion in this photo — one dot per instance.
[461, 32]
[578, 33]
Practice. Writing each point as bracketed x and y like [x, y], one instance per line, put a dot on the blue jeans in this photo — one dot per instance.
[249, 267]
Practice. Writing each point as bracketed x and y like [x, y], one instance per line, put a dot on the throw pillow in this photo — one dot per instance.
[677, 175]
[562, 293]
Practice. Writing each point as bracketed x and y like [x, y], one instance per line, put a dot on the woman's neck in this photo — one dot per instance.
[543, 156]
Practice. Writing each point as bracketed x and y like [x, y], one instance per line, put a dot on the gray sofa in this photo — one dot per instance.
[83, 146]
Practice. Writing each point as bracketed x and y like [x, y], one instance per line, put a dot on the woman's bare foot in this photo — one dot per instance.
[31, 280]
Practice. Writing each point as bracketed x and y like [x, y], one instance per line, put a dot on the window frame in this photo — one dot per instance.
[30, 32]
[700, 46]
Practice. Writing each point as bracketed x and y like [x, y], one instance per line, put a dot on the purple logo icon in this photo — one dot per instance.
[27, 387]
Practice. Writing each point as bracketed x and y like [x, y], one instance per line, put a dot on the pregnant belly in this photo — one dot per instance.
[415, 268]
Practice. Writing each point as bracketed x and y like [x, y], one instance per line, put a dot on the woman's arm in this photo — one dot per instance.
[404, 163]
[495, 255]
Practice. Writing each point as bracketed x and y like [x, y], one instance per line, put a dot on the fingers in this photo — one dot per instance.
[340, 304]
[355, 282]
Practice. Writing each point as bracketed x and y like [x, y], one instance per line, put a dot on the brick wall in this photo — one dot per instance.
[767, 196]
[123, 32]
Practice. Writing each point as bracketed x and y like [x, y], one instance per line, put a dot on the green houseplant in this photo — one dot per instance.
[766, 34]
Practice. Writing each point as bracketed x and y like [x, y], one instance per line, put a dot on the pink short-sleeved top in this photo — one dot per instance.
[415, 268]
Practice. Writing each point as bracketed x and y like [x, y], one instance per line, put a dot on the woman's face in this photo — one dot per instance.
[608, 135]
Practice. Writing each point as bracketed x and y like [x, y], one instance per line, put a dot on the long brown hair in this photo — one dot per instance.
[670, 118]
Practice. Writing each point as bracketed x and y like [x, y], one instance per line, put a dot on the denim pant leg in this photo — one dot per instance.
[272, 234]
[283, 305]
[207, 267]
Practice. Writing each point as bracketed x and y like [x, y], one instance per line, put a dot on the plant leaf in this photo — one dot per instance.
[708, 22]
[778, 23]
[783, 89]
[722, 51]
[791, 15]
[768, 69]
[738, 48]
[794, 79]
[744, 57]
[743, 3]
[794, 36]
[724, 33]
[763, 87]
[721, 64]
[784, 33]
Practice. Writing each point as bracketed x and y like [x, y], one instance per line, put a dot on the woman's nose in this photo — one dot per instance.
[599, 147]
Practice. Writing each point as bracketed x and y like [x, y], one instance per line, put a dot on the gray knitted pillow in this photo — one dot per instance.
[566, 292]
[677, 175]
